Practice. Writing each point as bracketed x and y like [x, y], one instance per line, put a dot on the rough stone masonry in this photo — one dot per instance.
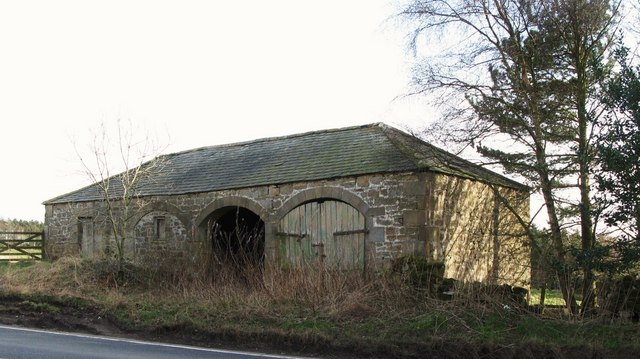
[411, 198]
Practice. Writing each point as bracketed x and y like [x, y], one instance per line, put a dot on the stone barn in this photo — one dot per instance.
[351, 198]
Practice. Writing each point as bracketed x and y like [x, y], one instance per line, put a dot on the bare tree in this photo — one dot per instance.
[120, 163]
[519, 82]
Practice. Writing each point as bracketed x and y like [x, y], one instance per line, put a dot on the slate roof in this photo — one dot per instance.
[350, 151]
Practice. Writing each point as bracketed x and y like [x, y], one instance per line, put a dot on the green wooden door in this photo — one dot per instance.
[329, 232]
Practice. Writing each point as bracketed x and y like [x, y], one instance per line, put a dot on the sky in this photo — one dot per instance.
[191, 73]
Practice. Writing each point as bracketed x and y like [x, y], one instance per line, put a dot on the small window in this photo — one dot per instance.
[159, 227]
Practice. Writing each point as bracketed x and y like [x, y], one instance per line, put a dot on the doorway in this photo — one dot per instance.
[237, 238]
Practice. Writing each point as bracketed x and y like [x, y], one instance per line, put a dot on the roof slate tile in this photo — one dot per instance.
[351, 151]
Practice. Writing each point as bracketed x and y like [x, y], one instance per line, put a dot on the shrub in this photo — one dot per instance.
[621, 297]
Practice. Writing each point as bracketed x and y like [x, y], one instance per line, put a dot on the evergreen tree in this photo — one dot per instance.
[619, 155]
[534, 112]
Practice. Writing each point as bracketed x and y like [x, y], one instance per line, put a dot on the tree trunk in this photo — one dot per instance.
[584, 165]
[563, 273]
[587, 237]
[543, 295]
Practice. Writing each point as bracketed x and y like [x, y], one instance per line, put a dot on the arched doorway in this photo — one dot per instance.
[237, 237]
[158, 233]
[325, 231]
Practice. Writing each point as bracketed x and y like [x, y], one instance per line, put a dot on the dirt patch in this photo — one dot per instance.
[74, 316]
[56, 315]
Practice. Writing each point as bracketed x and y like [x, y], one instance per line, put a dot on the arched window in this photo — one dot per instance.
[157, 231]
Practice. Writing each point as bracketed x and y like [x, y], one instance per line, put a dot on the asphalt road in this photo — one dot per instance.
[18, 343]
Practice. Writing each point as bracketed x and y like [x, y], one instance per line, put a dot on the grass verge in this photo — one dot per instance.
[311, 312]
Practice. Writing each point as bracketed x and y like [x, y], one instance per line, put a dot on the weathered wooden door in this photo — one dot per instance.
[86, 236]
[329, 232]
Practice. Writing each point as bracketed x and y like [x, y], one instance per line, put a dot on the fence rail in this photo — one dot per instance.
[21, 246]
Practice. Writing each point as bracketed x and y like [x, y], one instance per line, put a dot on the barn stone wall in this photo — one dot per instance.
[472, 228]
[457, 221]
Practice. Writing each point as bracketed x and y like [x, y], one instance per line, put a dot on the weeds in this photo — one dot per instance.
[315, 303]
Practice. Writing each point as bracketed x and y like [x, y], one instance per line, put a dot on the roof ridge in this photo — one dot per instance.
[276, 138]
[385, 131]
[443, 155]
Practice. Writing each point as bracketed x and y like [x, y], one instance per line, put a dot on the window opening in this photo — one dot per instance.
[159, 224]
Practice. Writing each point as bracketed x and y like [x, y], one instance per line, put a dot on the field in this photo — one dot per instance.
[298, 312]
[553, 297]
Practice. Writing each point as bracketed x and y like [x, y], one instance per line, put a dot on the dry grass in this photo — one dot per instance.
[321, 306]
[310, 293]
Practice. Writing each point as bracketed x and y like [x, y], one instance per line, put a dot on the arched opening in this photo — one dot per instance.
[237, 238]
[158, 233]
[325, 231]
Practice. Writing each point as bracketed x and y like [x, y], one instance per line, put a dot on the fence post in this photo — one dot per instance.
[42, 256]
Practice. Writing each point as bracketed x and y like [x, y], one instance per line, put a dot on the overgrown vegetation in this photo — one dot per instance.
[139, 159]
[619, 154]
[315, 311]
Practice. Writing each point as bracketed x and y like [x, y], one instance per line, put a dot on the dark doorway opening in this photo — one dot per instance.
[237, 238]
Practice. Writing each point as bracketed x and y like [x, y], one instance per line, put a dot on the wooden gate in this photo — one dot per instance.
[329, 232]
[20, 246]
